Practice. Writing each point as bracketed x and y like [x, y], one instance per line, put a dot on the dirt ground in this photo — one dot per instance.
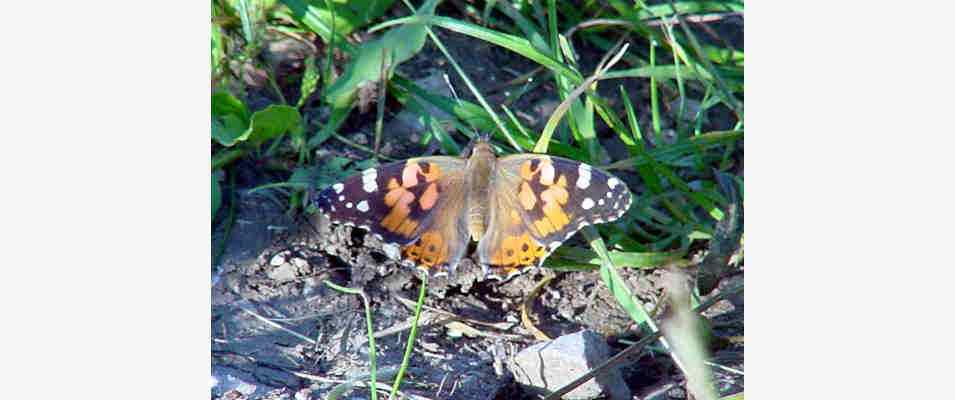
[278, 332]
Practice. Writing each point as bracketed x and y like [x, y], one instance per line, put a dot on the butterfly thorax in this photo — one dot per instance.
[480, 170]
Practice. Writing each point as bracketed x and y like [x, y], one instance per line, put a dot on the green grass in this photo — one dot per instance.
[666, 145]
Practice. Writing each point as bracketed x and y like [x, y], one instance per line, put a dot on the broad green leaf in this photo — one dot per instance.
[274, 121]
[315, 18]
[224, 103]
[349, 14]
[394, 47]
[228, 129]
[230, 118]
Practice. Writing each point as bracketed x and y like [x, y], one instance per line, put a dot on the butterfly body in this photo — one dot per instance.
[519, 208]
[480, 170]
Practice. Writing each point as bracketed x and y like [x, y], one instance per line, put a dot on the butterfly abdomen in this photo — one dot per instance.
[480, 169]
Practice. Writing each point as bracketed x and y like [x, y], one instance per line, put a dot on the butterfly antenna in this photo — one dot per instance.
[454, 94]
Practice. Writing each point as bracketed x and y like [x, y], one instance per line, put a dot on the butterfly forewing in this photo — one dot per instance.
[413, 204]
[553, 198]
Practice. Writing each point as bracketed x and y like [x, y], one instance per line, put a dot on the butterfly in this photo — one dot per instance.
[518, 208]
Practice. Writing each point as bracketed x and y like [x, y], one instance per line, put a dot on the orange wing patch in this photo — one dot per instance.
[553, 196]
[527, 197]
[430, 250]
[517, 251]
[429, 197]
[400, 198]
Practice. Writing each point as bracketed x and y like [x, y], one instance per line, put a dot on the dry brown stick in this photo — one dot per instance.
[633, 349]
[411, 304]
[452, 317]
[276, 325]
[528, 303]
[430, 318]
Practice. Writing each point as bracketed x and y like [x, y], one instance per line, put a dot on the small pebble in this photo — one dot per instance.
[277, 260]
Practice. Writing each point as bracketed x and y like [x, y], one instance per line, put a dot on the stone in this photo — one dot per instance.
[545, 367]
[283, 273]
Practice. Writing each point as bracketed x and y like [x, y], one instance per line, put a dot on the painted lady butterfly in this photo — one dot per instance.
[519, 208]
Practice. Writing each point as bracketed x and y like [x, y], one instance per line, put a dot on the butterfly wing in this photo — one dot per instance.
[538, 202]
[417, 205]
[507, 247]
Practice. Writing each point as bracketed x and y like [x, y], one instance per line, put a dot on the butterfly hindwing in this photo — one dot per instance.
[507, 247]
[410, 203]
[553, 197]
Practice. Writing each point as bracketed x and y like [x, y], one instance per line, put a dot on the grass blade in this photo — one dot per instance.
[411, 336]
[371, 334]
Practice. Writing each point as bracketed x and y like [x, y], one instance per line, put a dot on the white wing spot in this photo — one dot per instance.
[333, 208]
[349, 205]
[547, 173]
[609, 195]
[338, 187]
[369, 179]
[362, 206]
[587, 204]
[612, 182]
[600, 202]
[341, 198]
[583, 176]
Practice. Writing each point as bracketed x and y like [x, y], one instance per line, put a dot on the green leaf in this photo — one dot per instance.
[309, 81]
[216, 196]
[396, 46]
[224, 103]
[218, 47]
[513, 43]
[248, 14]
[568, 255]
[314, 17]
[349, 14]
[228, 129]
[272, 122]
[615, 283]
[320, 176]
[230, 118]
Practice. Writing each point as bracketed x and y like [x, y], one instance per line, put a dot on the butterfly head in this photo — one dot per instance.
[479, 148]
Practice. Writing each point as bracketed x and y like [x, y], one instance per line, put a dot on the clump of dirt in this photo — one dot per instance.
[277, 329]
